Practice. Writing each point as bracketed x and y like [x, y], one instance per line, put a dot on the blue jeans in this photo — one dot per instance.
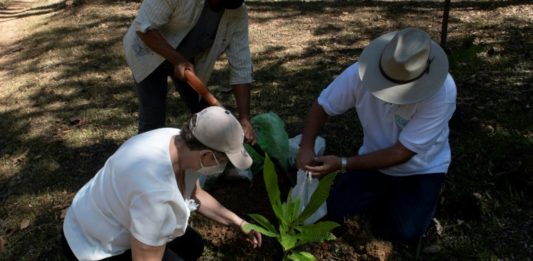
[399, 208]
[152, 94]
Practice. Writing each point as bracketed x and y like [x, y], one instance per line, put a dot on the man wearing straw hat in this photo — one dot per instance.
[404, 98]
[168, 37]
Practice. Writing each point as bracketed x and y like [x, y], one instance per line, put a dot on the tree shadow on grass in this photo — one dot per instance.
[13, 14]
[69, 92]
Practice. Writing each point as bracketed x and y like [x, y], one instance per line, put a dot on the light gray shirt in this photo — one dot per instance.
[174, 19]
[202, 35]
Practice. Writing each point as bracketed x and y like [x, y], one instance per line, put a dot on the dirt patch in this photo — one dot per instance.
[16, 21]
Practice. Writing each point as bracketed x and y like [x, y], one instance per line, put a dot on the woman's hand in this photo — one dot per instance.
[253, 237]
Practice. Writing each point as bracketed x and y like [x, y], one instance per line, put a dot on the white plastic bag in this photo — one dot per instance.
[294, 146]
[304, 189]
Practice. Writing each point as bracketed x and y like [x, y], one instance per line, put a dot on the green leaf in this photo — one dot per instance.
[272, 137]
[272, 187]
[284, 221]
[301, 256]
[263, 221]
[293, 210]
[292, 232]
[248, 227]
[319, 196]
[318, 232]
[320, 227]
[287, 241]
[257, 158]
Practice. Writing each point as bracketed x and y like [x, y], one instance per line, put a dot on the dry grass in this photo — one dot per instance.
[67, 102]
[4, 4]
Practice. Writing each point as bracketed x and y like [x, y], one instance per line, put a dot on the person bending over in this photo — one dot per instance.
[138, 205]
[168, 37]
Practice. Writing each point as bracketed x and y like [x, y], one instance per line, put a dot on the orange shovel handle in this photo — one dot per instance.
[200, 88]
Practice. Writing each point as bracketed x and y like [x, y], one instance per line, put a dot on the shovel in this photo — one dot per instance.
[200, 88]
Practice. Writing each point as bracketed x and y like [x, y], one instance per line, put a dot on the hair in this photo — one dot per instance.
[192, 142]
[231, 4]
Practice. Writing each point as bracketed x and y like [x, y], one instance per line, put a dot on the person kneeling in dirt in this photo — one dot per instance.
[404, 98]
[138, 205]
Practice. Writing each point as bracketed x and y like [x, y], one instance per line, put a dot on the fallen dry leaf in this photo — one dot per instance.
[74, 120]
[24, 224]
[21, 157]
[438, 227]
[2, 245]
[63, 213]
[433, 249]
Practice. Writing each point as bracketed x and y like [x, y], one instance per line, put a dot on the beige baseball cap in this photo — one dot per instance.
[217, 128]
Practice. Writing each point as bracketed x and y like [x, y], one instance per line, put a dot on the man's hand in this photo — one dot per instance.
[249, 134]
[323, 165]
[314, 121]
[304, 157]
[180, 67]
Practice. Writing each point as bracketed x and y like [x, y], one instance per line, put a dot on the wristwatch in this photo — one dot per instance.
[344, 162]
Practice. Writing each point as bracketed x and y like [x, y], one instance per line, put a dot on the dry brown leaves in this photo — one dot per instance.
[2, 245]
[24, 224]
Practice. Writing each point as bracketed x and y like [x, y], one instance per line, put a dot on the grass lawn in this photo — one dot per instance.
[67, 102]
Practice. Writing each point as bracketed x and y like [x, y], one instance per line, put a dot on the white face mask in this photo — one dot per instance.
[191, 176]
[212, 170]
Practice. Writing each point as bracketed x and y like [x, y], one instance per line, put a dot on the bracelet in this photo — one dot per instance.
[344, 162]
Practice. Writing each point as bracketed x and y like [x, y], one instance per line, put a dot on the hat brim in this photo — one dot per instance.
[376, 83]
[240, 159]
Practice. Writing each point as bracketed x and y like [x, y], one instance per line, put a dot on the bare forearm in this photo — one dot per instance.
[313, 123]
[140, 251]
[380, 159]
[242, 98]
[157, 43]
[212, 209]
[392, 156]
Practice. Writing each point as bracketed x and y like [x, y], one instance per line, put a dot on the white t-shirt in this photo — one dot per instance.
[421, 127]
[134, 194]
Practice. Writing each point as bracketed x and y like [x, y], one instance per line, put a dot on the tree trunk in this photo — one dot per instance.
[444, 29]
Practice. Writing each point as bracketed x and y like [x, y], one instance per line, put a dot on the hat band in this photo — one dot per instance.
[425, 71]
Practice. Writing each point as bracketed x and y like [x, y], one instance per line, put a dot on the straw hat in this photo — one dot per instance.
[403, 67]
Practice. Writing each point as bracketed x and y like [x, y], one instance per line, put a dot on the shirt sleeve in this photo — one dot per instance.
[340, 95]
[429, 124]
[153, 14]
[238, 51]
[155, 219]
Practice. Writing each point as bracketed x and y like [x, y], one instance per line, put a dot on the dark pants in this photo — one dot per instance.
[399, 208]
[152, 94]
[187, 247]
